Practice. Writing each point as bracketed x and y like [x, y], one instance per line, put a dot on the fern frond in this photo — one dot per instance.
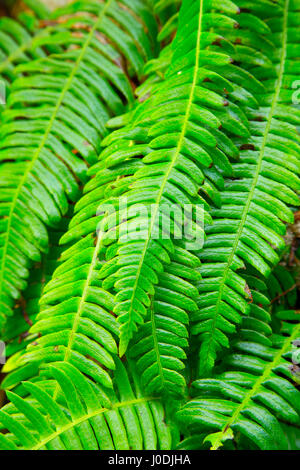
[16, 332]
[159, 347]
[248, 228]
[208, 152]
[52, 127]
[17, 44]
[249, 398]
[76, 312]
[176, 131]
[126, 420]
[86, 301]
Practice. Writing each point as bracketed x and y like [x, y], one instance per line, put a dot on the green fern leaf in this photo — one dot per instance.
[17, 44]
[173, 147]
[158, 348]
[248, 228]
[76, 312]
[249, 398]
[16, 332]
[48, 119]
[126, 420]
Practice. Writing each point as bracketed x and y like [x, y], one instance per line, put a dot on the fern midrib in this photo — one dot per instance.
[172, 163]
[256, 176]
[156, 345]
[44, 140]
[88, 416]
[252, 392]
[81, 304]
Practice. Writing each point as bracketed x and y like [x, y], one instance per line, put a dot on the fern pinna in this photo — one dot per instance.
[129, 326]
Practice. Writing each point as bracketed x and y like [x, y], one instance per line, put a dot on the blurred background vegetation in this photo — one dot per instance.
[12, 7]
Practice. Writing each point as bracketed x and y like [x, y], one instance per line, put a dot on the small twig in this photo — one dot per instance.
[284, 293]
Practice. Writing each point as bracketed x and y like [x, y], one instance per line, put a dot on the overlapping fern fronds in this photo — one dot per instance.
[178, 123]
[16, 332]
[53, 124]
[126, 420]
[249, 225]
[79, 271]
[252, 395]
[139, 338]
[248, 398]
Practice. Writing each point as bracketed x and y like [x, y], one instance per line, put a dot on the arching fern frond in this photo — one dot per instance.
[16, 332]
[59, 108]
[248, 228]
[126, 420]
[159, 347]
[249, 398]
[17, 44]
[176, 130]
[76, 308]
[76, 312]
